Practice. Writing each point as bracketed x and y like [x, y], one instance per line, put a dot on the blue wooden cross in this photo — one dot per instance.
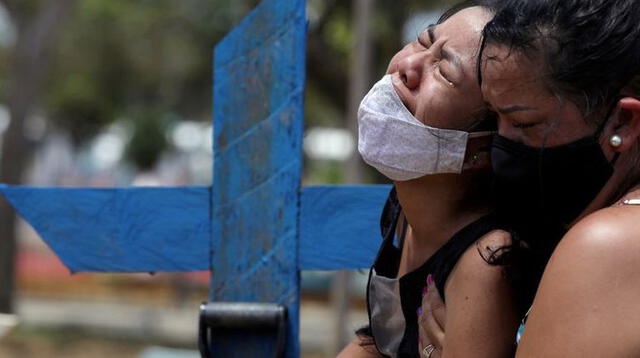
[255, 228]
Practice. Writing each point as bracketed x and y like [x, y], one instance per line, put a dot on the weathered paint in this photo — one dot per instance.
[167, 229]
[259, 71]
[252, 228]
[120, 230]
[339, 226]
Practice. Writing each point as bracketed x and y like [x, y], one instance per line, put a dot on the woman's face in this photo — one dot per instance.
[436, 77]
[528, 111]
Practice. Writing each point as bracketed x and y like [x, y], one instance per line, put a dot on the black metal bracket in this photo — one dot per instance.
[264, 317]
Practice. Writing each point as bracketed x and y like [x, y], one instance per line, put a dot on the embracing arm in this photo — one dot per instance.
[481, 319]
[587, 302]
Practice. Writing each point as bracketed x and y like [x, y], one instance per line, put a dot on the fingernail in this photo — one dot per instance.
[429, 280]
[419, 312]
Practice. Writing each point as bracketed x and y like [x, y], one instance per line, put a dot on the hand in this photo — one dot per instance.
[431, 320]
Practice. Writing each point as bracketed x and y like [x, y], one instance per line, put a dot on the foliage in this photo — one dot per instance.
[119, 58]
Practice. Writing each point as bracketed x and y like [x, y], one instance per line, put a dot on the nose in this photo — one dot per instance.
[411, 69]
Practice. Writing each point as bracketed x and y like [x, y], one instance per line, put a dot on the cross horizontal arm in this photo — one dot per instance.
[166, 229]
[120, 230]
[339, 226]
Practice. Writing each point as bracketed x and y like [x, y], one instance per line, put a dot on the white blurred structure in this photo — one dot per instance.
[7, 30]
[7, 322]
[187, 160]
[329, 144]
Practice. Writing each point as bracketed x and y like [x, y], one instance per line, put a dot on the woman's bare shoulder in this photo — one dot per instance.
[608, 234]
[589, 285]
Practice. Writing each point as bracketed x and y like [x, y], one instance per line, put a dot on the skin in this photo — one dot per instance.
[439, 90]
[586, 304]
[481, 315]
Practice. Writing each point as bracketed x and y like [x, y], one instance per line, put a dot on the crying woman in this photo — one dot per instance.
[424, 125]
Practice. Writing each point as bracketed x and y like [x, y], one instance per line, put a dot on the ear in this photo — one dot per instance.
[627, 124]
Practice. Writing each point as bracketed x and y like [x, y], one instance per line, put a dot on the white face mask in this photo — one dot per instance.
[401, 147]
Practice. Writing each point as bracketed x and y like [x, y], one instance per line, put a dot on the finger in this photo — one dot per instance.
[423, 339]
[432, 330]
[435, 305]
[430, 320]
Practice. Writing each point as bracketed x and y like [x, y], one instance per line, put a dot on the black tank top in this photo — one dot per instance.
[409, 287]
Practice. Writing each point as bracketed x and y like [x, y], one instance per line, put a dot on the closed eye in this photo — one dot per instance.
[442, 74]
[523, 125]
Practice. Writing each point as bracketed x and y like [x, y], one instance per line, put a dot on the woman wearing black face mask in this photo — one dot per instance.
[564, 78]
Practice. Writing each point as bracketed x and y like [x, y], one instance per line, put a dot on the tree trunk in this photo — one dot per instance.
[37, 36]
[359, 78]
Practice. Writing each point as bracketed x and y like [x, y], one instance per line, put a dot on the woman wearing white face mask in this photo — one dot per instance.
[424, 125]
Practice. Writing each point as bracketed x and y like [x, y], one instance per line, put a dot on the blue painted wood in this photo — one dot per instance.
[258, 123]
[120, 230]
[339, 226]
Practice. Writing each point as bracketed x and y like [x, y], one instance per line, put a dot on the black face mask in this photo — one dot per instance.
[547, 186]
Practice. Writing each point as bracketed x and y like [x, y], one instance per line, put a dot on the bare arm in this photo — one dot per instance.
[587, 302]
[481, 315]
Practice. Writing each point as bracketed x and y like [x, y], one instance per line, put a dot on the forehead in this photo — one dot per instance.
[463, 29]
[511, 82]
[509, 76]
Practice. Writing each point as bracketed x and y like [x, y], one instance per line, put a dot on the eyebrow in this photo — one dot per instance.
[431, 33]
[514, 108]
[446, 54]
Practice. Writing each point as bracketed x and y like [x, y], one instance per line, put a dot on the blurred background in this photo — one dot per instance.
[119, 93]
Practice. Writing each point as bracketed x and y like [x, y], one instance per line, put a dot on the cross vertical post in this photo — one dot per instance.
[259, 71]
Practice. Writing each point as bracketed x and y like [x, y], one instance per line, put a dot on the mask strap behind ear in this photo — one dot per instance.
[600, 129]
[615, 159]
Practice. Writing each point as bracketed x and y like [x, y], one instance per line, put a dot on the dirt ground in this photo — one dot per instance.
[73, 343]
[27, 343]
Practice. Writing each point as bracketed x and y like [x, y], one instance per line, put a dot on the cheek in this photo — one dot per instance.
[507, 130]
[448, 109]
[568, 131]
[544, 135]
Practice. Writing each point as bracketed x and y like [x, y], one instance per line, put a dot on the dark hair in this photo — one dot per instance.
[590, 49]
[490, 5]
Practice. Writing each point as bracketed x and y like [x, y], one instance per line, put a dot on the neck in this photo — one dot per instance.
[611, 192]
[437, 206]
